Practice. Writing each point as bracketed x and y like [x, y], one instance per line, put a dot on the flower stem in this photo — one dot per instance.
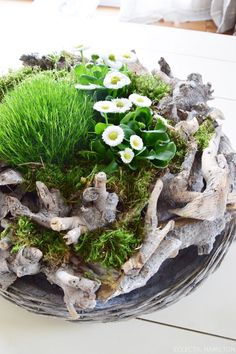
[82, 57]
[106, 118]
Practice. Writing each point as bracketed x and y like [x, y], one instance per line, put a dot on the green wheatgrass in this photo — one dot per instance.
[44, 120]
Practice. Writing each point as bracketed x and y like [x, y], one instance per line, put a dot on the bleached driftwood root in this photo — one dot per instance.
[78, 291]
[98, 210]
[211, 204]
[9, 176]
[153, 237]
[25, 262]
[176, 186]
[51, 205]
[188, 100]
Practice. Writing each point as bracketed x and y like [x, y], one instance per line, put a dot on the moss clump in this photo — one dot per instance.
[204, 134]
[13, 78]
[149, 85]
[110, 248]
[70, 180]
[44, 119]
[181, 150]
[51, 243]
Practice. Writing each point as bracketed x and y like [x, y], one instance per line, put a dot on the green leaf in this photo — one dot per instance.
[159, 164]
[127, 130]
[87, 79]
[143, 115]
[154, 137]
[127, 118]
[80, 70]
[111, 168]
[133, 125]
[100, 127]
[98, 147]
[160, 126]
[166, 152]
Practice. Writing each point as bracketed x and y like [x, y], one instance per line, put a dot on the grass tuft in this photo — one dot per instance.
[43, 119]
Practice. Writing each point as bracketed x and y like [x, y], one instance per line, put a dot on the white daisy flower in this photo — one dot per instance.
[104, 107]
[81, 47]
[126, 155]
[87, 87]
[116, 80]
[136, 142]
[140, 101]
[112, 61]
[122, 105]
[128, 57]
[113, 135]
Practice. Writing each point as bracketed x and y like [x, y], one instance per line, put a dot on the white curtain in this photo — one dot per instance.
[223, 12]
[75, 8]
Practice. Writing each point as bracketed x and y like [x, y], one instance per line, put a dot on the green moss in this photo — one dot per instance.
[44, 119]
[51, 243]
[70, 180]
[13, 78]
[181, 150]
[204, 134]
[149, 85]
[110, 248]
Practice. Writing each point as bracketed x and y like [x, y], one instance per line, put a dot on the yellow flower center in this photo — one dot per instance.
[127, 156]
[119, 104]
[105, 107]
[126, 56]
[112, 57]
[140, 99]
[113, 135]
[136, 142]
[115, 80]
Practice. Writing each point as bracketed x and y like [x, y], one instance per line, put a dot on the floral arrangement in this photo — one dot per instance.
[90, 148]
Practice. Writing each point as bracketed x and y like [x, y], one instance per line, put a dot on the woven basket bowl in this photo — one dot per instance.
[176, 278]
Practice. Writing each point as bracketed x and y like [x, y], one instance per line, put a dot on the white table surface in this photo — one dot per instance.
[203, 322]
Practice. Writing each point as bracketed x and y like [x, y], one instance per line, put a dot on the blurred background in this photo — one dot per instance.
[204, 15]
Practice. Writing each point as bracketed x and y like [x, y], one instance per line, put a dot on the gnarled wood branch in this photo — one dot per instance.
[211, 204]
[27, 261]
[51, 205]
[78, 291]
[98, 210]
[153, 237]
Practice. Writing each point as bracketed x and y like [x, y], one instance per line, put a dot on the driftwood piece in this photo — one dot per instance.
[10, 176]
[186, 233]
[189, 99]
[167, 249]
[98, 210]
[176, 186]
[51, 205]
[211, 204]
[27, 261]
[7, 276]
[187, 128]
[3, 206]
[78, 291]
[154, 235]
[199, 233]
